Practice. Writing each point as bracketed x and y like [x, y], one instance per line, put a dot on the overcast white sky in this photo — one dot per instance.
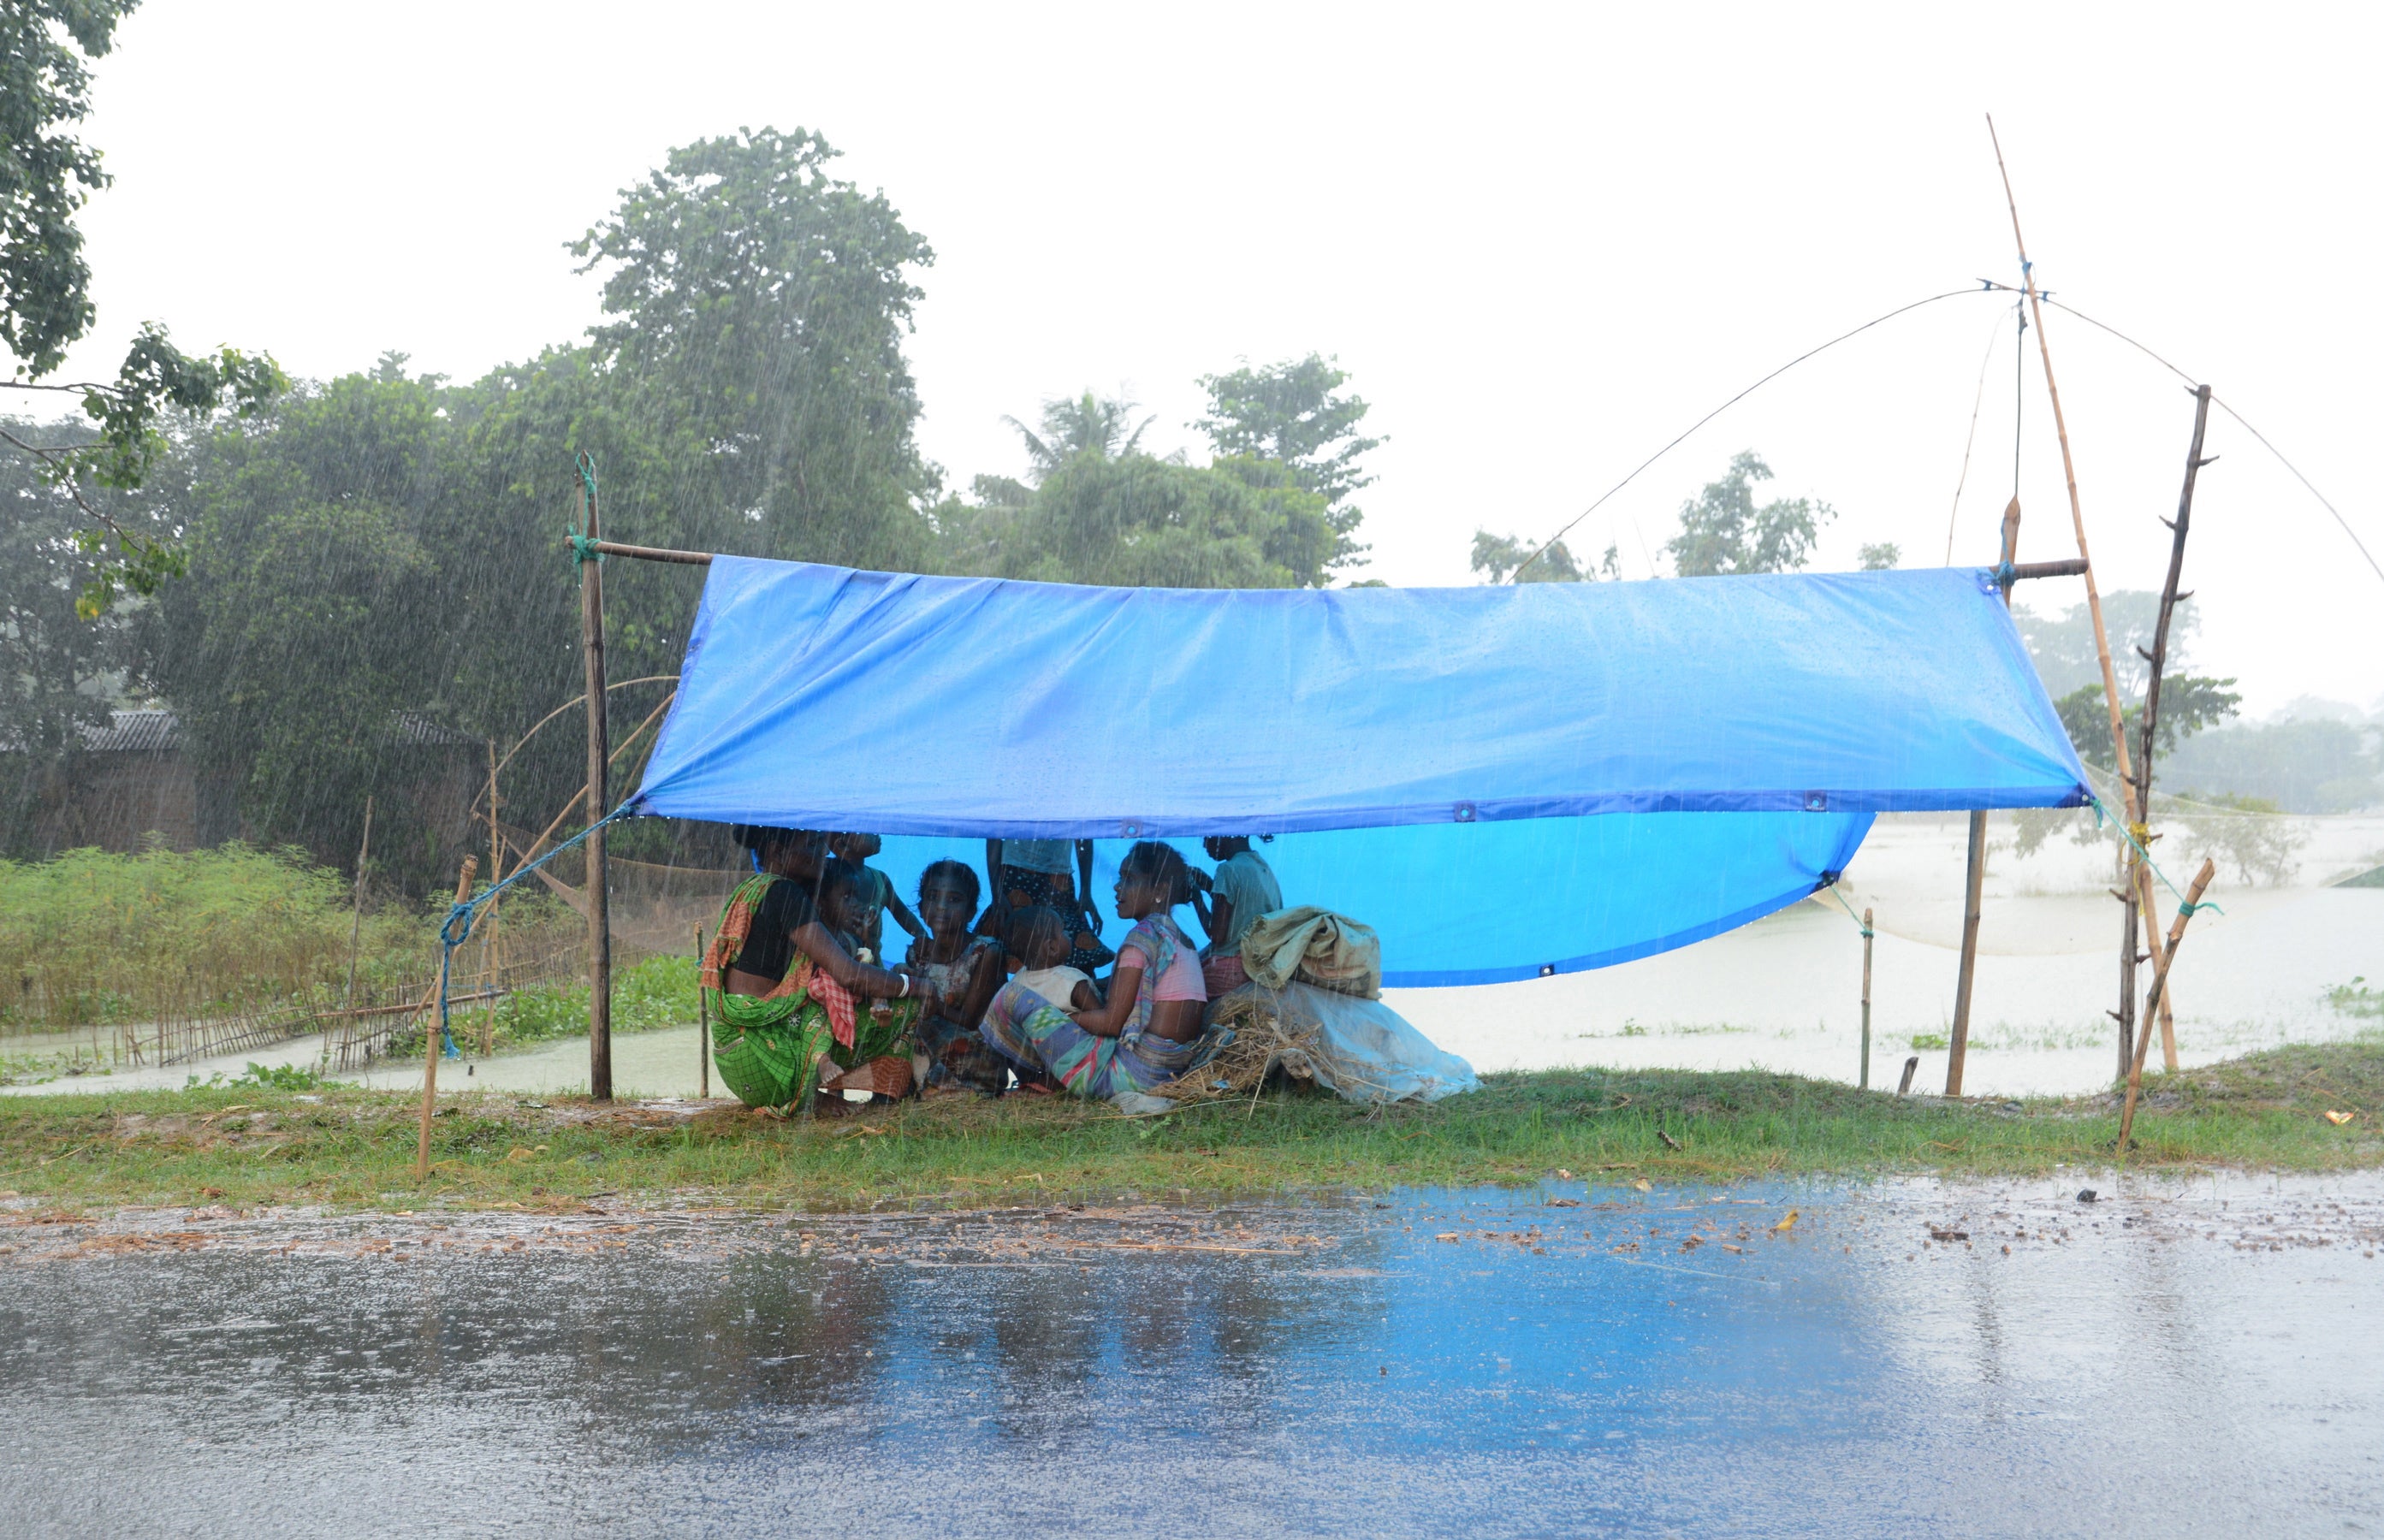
[1542, 240]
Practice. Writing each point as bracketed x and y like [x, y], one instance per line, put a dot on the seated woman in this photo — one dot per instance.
[1243, 889]
[1149, 1026]
[1029, 872]
[782, 988]
[966, 970]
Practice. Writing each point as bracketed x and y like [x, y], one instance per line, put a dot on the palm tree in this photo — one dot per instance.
[1086, 425]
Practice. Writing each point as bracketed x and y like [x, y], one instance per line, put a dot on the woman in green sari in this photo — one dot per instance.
[792, 1011]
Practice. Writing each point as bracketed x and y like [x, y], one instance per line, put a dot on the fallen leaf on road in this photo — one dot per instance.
[1644, 1185]
[1788, 1224]
[1446, 1234]
[2337, 1119]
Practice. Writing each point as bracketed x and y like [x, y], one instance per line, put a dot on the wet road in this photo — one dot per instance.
[2195, 1359]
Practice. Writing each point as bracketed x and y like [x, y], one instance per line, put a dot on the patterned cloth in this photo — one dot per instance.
[1019, 888]
[1038, 1038]
[956, 1054]
[768, 1048]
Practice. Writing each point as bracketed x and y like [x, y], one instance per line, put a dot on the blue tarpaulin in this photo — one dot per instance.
[1504, 781]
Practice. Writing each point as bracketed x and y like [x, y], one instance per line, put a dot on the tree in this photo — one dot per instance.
[760, 309]
[1722, 531]
[1080, 425]
[47, 176]
[1497, 555]
[1143, 522]
[2190, 702]
[2062, 647]
[1879, 558]
[1295, 413]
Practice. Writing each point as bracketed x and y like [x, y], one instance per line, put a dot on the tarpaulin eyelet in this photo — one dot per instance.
[1816, 801]
[1465, 812]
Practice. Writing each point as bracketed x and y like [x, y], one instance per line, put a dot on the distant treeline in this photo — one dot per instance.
[381, 555]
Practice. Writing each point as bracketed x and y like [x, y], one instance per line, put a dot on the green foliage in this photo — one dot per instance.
[2190, 702]
[1151, 523]
[1879, 558]
[658, 992]
[1295, 414]
[92, 936]
[761, 308]
[45, 177]
[1495, 557]
[1100, 425]
[2246, 834]
[2357, 997]
[2062, 646]
[1722, 530]
[2305, 764]
[276, 1077]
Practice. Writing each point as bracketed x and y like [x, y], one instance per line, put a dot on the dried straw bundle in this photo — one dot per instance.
[1264, 1037]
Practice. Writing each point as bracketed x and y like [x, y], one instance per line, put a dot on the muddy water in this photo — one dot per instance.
[2200, 1359]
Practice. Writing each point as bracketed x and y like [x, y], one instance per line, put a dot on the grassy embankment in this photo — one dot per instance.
[245, 1146]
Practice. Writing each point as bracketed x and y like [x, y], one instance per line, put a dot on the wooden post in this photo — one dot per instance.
[600, 927]
[1975, 882]
[2160, 980]
[2169, 1032]
[1864, 1084]
[356, 925]
[1911, 1067]
[703, 1024]
[430, 1043]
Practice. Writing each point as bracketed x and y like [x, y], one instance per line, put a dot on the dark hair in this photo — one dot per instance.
[1022, 926]
[957, 872]
[1163, 865]
[839, 876]
[762, 837]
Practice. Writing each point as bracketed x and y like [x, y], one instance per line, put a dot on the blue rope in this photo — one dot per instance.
[467, 913]
[2146, 856]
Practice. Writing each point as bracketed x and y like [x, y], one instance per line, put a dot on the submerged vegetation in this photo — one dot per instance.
[247, 1146]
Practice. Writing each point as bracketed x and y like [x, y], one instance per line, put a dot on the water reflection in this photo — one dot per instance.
[1666, 1362]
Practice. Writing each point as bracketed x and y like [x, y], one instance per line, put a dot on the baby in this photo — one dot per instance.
[878, 893]
[1039, 940]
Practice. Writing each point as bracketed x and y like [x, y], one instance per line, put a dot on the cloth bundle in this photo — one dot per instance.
[1314, 946]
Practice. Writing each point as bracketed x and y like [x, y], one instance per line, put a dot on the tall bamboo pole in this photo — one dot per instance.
[1973, 893]
[2134, 813]
[703, 1024]
[430, 1042]
[492, 956]
[600, 927]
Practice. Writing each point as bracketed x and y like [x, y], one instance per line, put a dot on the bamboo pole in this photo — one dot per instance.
[600, 927]
[1974, 889]
[2135, 813]
[2160, 981]
[2168, 1033]
[430, 1034]
[1864, 1083]
[356, 925]
[493, 955]
[703, 1024]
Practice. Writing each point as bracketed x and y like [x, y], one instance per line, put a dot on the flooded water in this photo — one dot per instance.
[2196, 1358]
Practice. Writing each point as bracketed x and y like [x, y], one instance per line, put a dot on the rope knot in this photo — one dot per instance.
[583, 548]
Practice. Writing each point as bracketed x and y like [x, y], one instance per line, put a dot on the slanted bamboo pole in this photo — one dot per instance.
[1958, 1043]
[356, 925]
[430, 1046]
[492, 956]
[599, 926]
[2169, 1032]
[1864, 1083]
[2135, 815]
[2160, 980]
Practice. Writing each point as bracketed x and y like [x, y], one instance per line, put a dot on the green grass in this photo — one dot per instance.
[248, 1145]
[657, 992]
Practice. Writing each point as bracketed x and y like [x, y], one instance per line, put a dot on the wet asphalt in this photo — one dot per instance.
[2194, 1357]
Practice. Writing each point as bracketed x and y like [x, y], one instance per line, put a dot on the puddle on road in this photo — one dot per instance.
[1986, 1358]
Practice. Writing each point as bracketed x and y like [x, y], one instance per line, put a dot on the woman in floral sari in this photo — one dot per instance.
[1148, 1028]
[787, 1000]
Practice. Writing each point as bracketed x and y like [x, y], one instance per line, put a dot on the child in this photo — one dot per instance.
[966, 970]
[1243, 889]
[1039, 940]
[878, 893]
[1148, 1030]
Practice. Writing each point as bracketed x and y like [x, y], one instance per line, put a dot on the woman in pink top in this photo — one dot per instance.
[1147, 1029]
